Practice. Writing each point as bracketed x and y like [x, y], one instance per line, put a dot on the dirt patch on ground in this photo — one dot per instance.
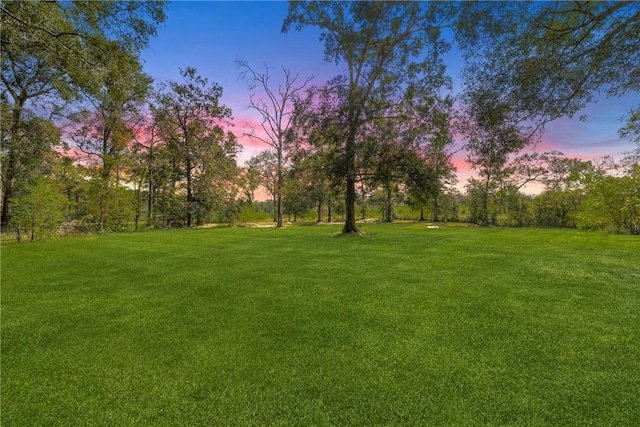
[258, 225]
[207, 226]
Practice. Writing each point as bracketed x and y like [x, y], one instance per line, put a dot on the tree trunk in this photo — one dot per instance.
[275, 210]
[388, 206]
[7, 185]
[422, 213]
[329, 210]
[150, 206]
[150, 186]
[279, 222]
[436, 209]
[351, 196]
[7, 189]
[350, 201]
[102, 203]
[189, 194]
[485, 202]
[138, 214]
[320, 211]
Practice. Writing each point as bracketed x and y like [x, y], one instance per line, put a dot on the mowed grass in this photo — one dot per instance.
[408, 326]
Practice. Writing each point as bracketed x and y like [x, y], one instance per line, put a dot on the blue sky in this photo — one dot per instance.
[212, 35]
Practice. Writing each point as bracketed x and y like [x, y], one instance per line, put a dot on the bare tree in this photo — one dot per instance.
[275, 106]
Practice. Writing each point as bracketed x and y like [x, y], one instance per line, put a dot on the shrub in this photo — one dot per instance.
[614, 205]
[38, 212]
[249, 214]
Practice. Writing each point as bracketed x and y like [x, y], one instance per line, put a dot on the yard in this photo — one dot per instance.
[407, 326]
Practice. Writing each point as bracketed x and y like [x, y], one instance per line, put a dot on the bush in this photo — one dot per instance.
[38, 212]
[249, 214]
[556, 208]
[404, 212]
[613, 204]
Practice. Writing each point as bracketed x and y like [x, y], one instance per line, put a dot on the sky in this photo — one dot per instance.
[213, 35]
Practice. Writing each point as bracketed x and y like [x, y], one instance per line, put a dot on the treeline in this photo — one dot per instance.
[90, 143]
[602, 194]
[174, 166]
[66, 198]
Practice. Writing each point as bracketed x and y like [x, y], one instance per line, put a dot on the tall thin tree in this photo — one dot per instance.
[276, 109]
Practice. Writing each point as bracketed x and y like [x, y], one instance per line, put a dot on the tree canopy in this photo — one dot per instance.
[550, 59]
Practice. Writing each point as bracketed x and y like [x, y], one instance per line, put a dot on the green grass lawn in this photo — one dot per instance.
[408, 326]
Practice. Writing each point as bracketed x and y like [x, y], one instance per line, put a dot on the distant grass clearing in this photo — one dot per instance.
[408, 326]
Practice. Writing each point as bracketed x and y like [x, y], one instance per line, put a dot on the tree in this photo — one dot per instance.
[144, 163]
[24, 79]
[50, 49]
[494, 131]
[564, 181]
[265, 165]
[433, 171]
[39, 211]
[65, 30]
[250, 181]
[631, 131]
[276, 110]
[556, 208]
[612, 197]
[563, 173]
[310, 167]
[190, 115]
[71, 179]
[25, 151]
[298, 194]
[390, 158]
[168, 206]
[380, 43]
[551, 58]
[422, 186]
[316, 137]
[314, 168]
[109, 119]
[216, 186]
[612, 203]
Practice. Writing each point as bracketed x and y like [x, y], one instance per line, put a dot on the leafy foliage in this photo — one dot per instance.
[612, 204]
[190, 115]
[38, 211]
[549, 59]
